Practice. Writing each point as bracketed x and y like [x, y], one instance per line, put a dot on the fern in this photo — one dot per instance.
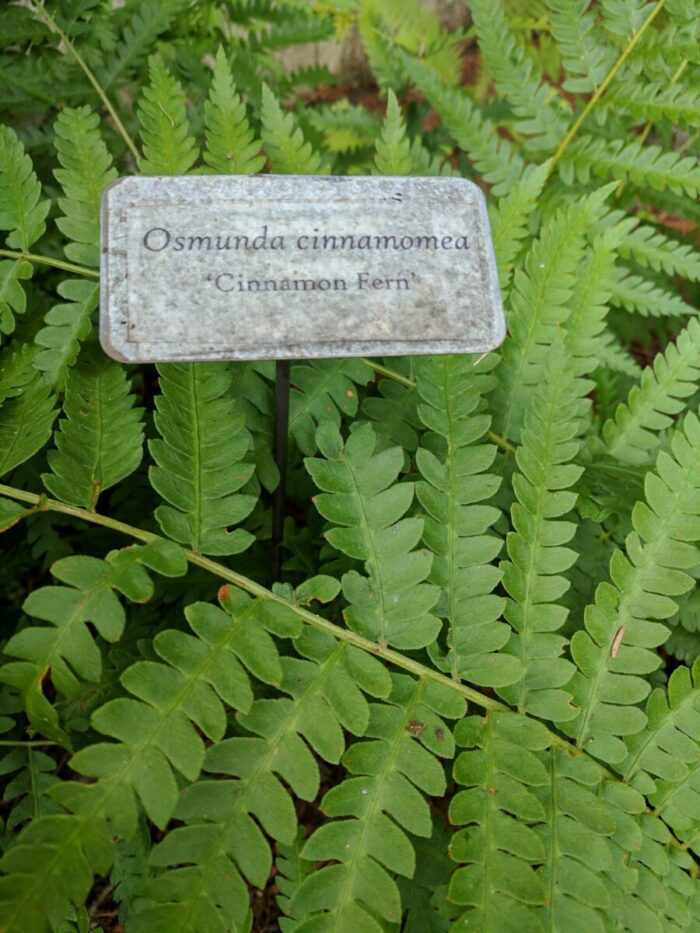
[455, 484]
[25, 424]
[586, 55]
[231, 148]
[284, 758]
[509, 220]
[613, 651]
[218, 815]
[671, 378]
[541, 114]
[168, 149]
[663, 761]
[381, 801]
[538, 555]
[100, 440]
[393, 155]
[284, 142]
[643, 166]
[22, 211]
[86, 170]
[199, 459]
[323, 390]
[68, 652]
[540, 301]
[391, 605]
[23, 214]
[493, 156]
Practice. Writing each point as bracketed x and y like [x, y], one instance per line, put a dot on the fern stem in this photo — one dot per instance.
[39, 743]
[255, 589]
[54, 27]
[497, 439]
[605, 84]
[389, 373]
[47, 261]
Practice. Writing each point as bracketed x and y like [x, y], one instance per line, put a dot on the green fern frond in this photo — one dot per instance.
[221, 842]
[453, 461]
[155, 733]
[23, 214]
[85, 173]
[391, 28]
[533, 577]
[22, 211]
[231, 147]
[394, 414]
[493, 157]
[633, 434]
[25, 423]
[365, 504]
[585, 52]
[509, 219]
[542, 115]
[642, 296]
[99, 441]
[679, 104]
[578, 843]
[168, 149]
[199, 459]
[643, 166]
[585, 334]
[376, 807]
[651, 249]
[292, 870]
[67, 325]
[13, 300]
[66, 651]
[499, 808]
[393, 156]
[284, 142]
[540, 303]
[254, 399]
[323, 390]
[149, 20]
[33, 774]
[36, 892]
[614, 357]
[664, 760]
[614, 652]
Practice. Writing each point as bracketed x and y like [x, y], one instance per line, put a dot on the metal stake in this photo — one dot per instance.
[281, 437]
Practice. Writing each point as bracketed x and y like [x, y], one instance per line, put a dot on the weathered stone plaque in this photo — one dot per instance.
[287, 267]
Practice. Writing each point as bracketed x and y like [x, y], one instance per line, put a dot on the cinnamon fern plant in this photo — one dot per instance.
[472, 702]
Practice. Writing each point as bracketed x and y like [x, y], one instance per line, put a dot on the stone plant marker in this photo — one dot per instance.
[292, 267]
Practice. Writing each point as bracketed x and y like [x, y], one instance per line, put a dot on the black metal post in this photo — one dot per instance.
[281, 438]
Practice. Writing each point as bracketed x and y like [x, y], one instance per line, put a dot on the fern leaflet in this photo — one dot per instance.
[361, 498]
[99, 440]
[199, 459]
[231, 147]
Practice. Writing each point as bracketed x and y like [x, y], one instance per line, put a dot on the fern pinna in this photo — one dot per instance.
[473, 701]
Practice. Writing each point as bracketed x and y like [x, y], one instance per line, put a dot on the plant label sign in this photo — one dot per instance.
[292, 267]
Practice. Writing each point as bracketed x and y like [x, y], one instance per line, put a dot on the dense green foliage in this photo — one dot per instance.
[473, 703]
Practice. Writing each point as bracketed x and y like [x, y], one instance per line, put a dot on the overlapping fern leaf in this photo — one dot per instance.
[86, 170]
[187, 762]
[99, 440]
[199, 459]
[533, 577]
[66, 652]
[623, 625]
[365, 504]
[454, 493]
[375, 807]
